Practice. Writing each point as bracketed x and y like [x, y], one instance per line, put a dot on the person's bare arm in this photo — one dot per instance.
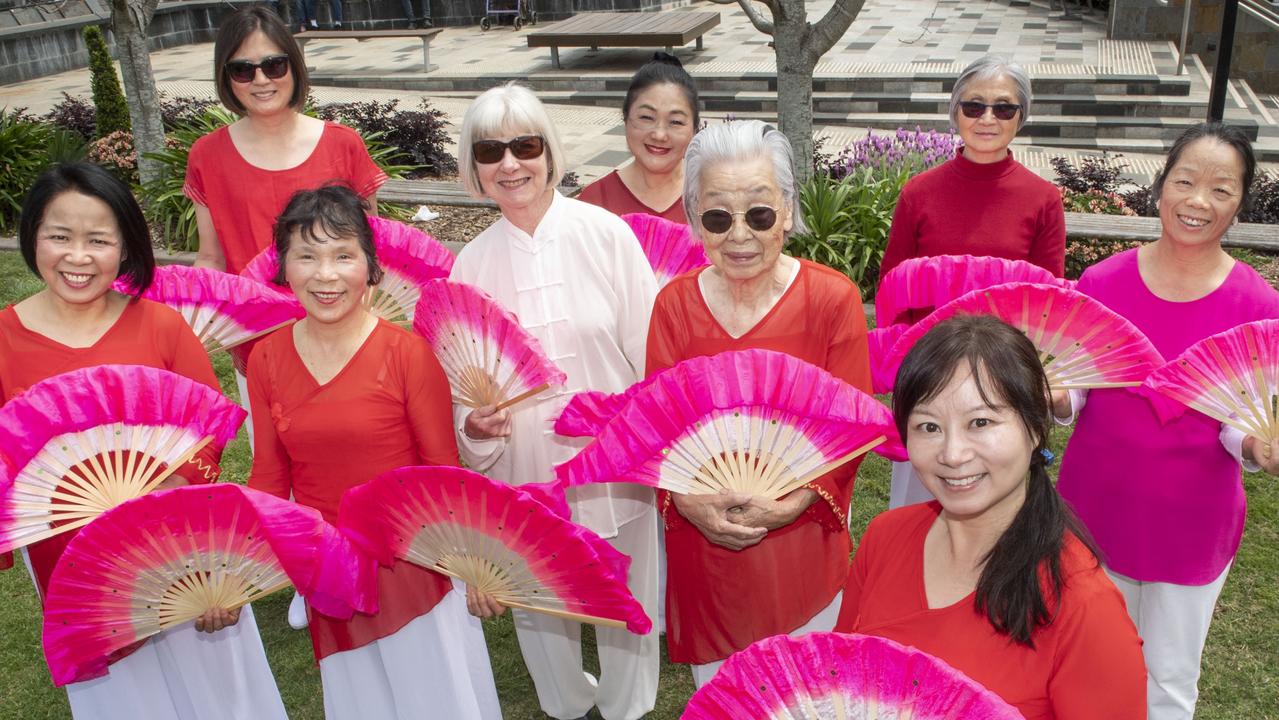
[210, 253]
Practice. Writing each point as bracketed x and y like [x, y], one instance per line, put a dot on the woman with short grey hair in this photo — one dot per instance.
[982, 202]
[576, 278]
[741, 568]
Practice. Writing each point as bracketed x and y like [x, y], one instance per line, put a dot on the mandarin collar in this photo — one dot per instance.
[983, 171]
[546, 228]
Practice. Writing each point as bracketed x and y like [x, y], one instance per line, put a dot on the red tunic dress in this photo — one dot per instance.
[719, 601]
[610, 193]
[388, 408]
[146, 333]
[244, 199]
[1086, 664]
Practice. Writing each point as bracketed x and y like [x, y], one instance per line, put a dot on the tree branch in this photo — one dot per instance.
[761, 23]
[826, 32]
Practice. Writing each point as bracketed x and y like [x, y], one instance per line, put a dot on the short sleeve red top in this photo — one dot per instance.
[245, 200]
[719, 601]
[1086, 663]
[610, 193]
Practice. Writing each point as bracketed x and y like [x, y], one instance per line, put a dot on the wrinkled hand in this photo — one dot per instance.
[216, 619]
[713, 516]
[482, 605]
[1262, 453]
[1062, 407]
[758, 512]
[488, 422]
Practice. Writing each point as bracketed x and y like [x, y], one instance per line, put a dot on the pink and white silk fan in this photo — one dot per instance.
[495, 537]
[753, 421]
[77, 444]
[833, 676]
[927, 283]
[488, 357]
[168, 557]
[671, 248]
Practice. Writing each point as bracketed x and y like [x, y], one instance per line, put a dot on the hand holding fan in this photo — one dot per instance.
[488, 357]
[495, 538]
[751, 421]
[93, 438]
[927, 283]
[1081, 342]
[223, 310]
[1232, 377]
[671, 248]
[166, 558]
[832, 676]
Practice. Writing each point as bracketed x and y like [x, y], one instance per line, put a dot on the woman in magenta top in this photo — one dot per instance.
[1165, 502]
[661, 116]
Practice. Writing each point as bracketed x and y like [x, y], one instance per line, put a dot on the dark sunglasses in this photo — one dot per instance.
[243, 71]
[524, 147]
[1003, 111]
[758, 218]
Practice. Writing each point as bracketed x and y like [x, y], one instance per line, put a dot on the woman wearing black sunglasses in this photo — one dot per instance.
[982, 202]
[576, 278]
[741, 568]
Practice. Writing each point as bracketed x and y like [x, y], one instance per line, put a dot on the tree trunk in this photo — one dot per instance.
[129, 22]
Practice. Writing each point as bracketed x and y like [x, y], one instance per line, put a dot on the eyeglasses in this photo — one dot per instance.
[273, 67]
[1003, 111]
[524, 147]
[760, 217]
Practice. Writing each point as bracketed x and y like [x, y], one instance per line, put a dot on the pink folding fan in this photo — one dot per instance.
[77, 444]
[752, 421]
[168, 557]
[493, 537]
[223, 310]
[832, 676]
[927, 283]
[880, 342]
[1232, 377]
[408, 256]
[488, 357]
[1081, 342]
[671, 248]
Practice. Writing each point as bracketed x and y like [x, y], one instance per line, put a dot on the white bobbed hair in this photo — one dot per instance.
[504, 112]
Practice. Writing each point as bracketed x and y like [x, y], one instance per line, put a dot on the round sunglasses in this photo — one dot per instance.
[1004, 111]
[759, 218]
[524, 147]
[273, 67]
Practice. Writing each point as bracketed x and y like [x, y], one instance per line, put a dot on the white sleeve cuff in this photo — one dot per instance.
[1077, 400]
[1232, 441]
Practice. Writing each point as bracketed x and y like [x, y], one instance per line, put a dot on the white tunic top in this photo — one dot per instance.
[582, 286]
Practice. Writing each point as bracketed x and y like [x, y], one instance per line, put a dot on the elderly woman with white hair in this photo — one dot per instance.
[982, 202]
[739, 567]
[575, 276]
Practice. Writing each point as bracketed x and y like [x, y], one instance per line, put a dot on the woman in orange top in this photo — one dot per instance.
[80, 230]
[996, 577]
[338, 398]
[741, 568]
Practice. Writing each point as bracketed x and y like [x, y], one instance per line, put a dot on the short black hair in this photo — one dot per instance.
[234, 30]
[137, 258]
[333, 209]
[663, 68]
[1224, 134]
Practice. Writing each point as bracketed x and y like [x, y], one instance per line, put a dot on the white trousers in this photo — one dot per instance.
[823, 621]
[906, 487]
[242, 384]
[435, 667]
[552, 647]
[1172, 621]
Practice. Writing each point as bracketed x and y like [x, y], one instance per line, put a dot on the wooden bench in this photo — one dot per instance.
[668, 29]
[362, 35]
[433, 193]
[1253, 236]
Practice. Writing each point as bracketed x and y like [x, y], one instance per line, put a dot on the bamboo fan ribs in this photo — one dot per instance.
[1232, 377]
[495, 538]
[752, 421]
[488, 358]
[832, 676]
[169, 557]
[671, 248]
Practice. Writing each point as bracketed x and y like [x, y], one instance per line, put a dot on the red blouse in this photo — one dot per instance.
[1086, 663]
[610, 193]
[719, 601]
[389, 407]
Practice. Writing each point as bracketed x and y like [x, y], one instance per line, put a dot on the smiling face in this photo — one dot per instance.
[1201, 193]
[263, 96]
[328, 276]
[974, 458]
[743, 253]
[78, 248]
[986, 139]
[517, 186]
[658, 128]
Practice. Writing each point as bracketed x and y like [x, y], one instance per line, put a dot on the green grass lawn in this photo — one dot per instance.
[1241, 663]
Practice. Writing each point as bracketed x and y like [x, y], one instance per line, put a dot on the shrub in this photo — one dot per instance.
[1082, 253]
[1094, 201]
[848, 220]
[74, 114]
[115, 153]
[1102, 173]
[22, 157]
[1264, 201]
[417, 134]
[182, 110]
[896, 157]
[108, 98]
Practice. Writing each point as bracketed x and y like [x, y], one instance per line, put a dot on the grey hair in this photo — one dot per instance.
[734, 141]
[989, 67]
[509, 109]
